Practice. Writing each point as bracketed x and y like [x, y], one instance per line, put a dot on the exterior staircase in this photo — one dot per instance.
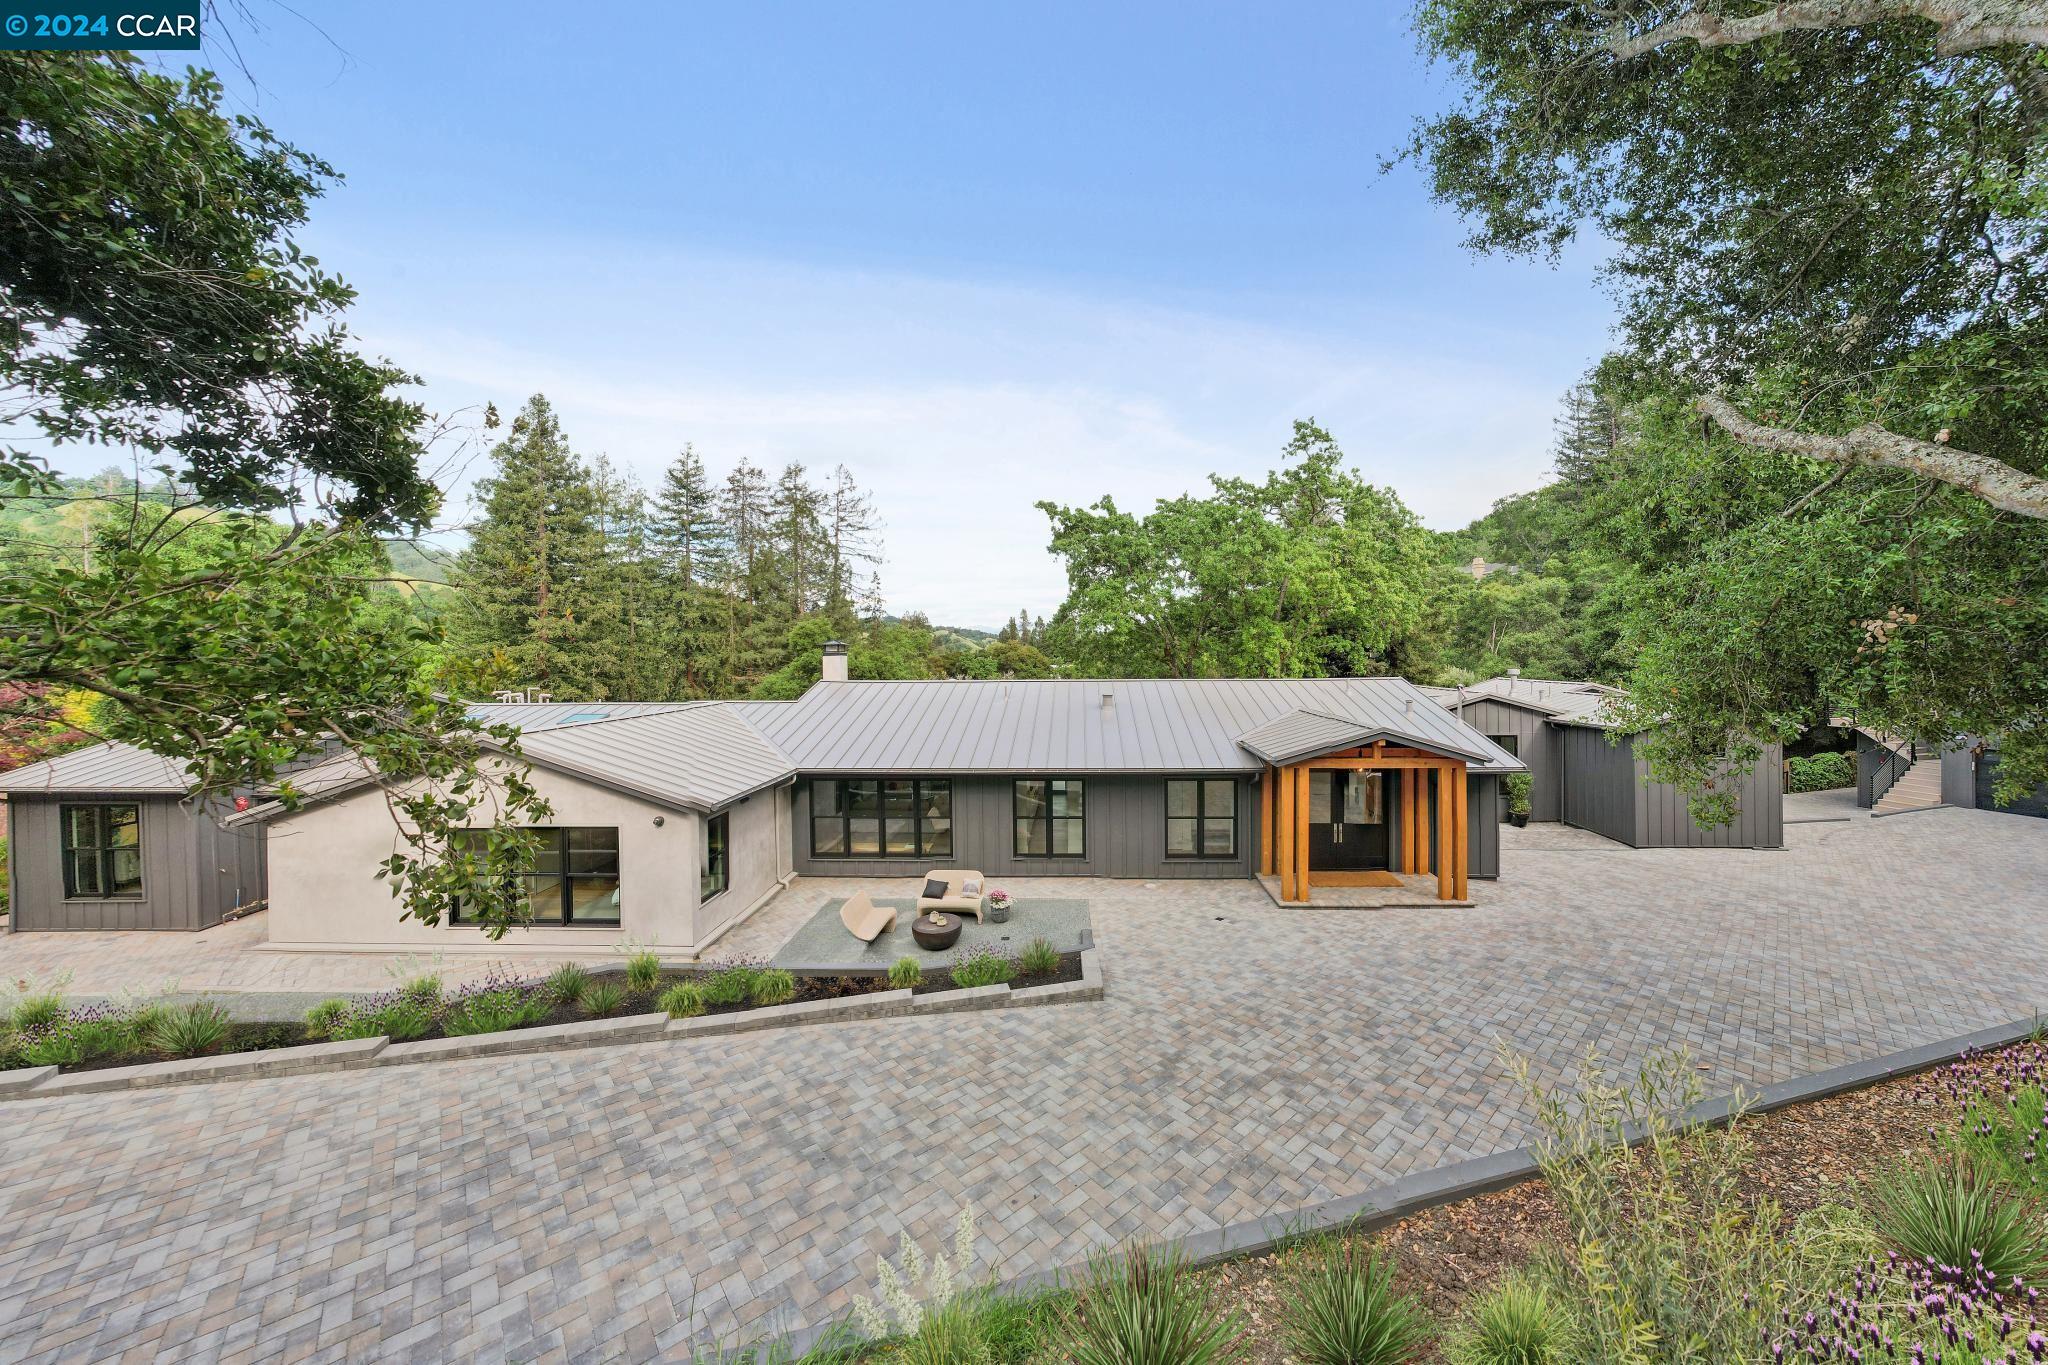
[1916, 788]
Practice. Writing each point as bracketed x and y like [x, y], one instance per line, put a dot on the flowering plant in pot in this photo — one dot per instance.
[998, 904]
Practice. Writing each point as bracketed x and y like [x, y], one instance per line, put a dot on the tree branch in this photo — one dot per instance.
[1960, 25]
[1998, 483]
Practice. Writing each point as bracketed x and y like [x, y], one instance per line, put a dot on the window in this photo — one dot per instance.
[574, 878]
[1508, 742]
[872, 817]
[711, 866]
[1201, 818]
[102, 851]
[1049, 817]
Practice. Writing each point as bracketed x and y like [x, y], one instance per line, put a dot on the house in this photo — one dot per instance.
[672, 822]
[1584, 772]
[103, 838]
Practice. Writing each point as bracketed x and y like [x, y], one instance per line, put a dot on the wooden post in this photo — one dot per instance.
[1301, 830]
[1283, 830]
[1422, 852]
[1269, 799]
[1460, 810]
[1446, 837]
[1410, 809]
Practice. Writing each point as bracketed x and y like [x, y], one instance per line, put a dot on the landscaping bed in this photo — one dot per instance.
[37, 1027]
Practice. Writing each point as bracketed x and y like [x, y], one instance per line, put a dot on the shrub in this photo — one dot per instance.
[684, 1000]
[603, 998]
[143, 1021]
[905, 973]
[424, 989]
[10, 1049]
[643, 971]
[730, 984]
[493, 1010]
[1949, 1214]
[1345, 1311]
[1519, 788]
[982, 966]
[1517, 1322]
[198, 1027]
[397, 1015]
[324, 1018]
[1822, 772]
[949, 1333]
[1145, 1310]
[567, 985]
[39, 1011]
[773, 986]
[1039, 958]
[80, 1035]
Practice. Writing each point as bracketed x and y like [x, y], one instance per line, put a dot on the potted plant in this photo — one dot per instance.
[1519, 785]
[998, 905]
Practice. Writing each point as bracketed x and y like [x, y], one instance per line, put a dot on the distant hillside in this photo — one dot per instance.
[953, 637]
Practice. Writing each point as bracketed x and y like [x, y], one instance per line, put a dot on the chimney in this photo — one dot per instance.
[833, 666]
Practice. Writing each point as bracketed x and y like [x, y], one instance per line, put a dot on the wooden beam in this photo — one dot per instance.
[1284, 844]
[1461, 821]
[1269, 800]
[1352, 765]
[1301, 830]
[1446, 837]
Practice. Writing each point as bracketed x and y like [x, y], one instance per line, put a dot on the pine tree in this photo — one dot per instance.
[1588, 431]
[852, 524]
[743, 510]
[802, 546]
[522, 580]
[686, 530]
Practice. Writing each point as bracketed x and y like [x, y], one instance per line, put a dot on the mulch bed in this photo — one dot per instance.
[1802, 1156]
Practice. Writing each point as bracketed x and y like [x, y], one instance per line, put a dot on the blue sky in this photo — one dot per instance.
[982, 255]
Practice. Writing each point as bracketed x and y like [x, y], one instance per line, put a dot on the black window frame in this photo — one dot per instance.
[1047, 820]
[101, 850]
[921, 823]
[1511, 743]
[717, 835]
[565, 875]
[1202, 819]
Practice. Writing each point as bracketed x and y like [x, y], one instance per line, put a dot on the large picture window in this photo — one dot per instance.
[881, 817]
[102, 851]
[1201, 818]
[574, 878]
[711, 867]
[1050, 816]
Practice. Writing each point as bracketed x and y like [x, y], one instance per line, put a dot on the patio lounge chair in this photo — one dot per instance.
[864, 919]
[956, 901]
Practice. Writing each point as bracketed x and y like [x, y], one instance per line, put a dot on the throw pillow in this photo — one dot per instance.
[971, 887]
[935, 889]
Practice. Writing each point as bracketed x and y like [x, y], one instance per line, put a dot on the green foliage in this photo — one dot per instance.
[730, 985]
[1519, 786]
[948, 1333]
[1342, 1309]
[400, 1017]
[982, 966]
[2002, 1132]
[773, 986]
[1516, 1322]
[684, 1000]
[493, 1011]
[11, 1049]
[1039, 958]
[1145, 1309]
[604, 998]
[38, 1010]
[1311, 573]
[189, 1031]
[424, 989]
[1948, 1213]
[325, 1017]
[643, 971]
[567, 984]
[1821, 772]
[905, 973]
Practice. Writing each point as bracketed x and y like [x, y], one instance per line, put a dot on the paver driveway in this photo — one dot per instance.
[623, 1203]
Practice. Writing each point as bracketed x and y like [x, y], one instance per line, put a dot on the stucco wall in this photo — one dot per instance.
[758, 859]
[324, 891]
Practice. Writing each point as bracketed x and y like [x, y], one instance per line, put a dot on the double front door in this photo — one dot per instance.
[1347, 821]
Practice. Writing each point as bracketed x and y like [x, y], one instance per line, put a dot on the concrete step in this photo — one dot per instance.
[1917, 787]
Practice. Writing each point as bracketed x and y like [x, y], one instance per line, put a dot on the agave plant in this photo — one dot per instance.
[1144, 1309]
[1345, 1311]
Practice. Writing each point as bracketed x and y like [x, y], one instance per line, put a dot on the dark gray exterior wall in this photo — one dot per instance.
[1537, 745]
[1598, 781]
[193, 870]
[1125, 824]
[1959, 775]
[1126, 832]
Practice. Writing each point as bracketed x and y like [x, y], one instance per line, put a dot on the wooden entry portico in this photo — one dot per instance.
[1422, 779]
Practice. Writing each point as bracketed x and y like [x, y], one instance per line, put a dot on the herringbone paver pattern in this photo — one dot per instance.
[624, 1203]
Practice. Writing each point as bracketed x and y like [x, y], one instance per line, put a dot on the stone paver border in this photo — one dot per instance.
[34, 1083]
[1461, 1180]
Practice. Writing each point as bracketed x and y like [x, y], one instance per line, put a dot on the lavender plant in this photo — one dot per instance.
[1917, 1312]
[732, 981]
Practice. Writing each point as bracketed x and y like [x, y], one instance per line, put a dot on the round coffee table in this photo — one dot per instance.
[933, 937]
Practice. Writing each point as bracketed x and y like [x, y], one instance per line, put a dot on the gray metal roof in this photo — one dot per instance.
[103, 767]
[1563, 700]
[698, 757]
[529, 716]
[1068, 725]
[1303, 734]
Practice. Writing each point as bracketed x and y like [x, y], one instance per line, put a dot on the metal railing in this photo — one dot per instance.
[1891, 768]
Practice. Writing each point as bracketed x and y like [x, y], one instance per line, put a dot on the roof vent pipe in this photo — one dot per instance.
[1513, 674]
[1108, 698]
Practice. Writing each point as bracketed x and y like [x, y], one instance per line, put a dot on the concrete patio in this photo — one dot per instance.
[629, 1203]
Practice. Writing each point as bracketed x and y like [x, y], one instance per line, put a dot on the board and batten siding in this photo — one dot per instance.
[1664, 821]
[193, 870]
[1536, 744]
[1599, 783]
[1124, 819]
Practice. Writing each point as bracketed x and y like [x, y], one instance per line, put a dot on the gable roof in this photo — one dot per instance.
[1565, 701]
[103, 767]
[1090, 725]
[1304, 734]
[697, 757]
